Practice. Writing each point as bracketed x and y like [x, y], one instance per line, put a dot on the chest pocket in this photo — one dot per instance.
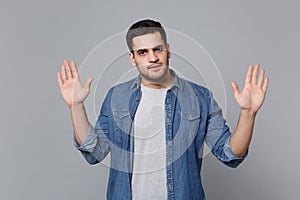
[190, 121]
[190, 116]
[186, 133]
[122, 124]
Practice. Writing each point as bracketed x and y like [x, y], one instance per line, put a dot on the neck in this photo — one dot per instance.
[165, 83]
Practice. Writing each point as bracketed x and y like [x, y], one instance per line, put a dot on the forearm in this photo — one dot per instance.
[80, 122]
[241, 138]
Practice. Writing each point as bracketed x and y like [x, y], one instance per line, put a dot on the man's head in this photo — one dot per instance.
[149, 52]
[144, 27]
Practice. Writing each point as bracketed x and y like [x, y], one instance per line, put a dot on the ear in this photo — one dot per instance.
[132, 59]
[169, 52]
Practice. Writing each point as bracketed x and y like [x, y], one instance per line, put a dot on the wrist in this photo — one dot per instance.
[248, 113]
[76, 106]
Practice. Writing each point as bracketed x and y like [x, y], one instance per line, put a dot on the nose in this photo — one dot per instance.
[152, 58]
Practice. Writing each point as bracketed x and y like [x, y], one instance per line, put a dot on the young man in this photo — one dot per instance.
[155, 125]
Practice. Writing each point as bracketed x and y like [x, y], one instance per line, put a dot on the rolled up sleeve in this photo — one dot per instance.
[218, 136]
[96, 146]
[89, 143]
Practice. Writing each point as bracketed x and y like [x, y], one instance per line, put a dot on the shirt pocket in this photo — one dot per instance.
[189, 124]
[185, 136]
[191, 116]
[122, 122]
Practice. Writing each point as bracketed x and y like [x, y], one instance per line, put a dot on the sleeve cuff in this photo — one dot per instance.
[89, 143]
[230, 155]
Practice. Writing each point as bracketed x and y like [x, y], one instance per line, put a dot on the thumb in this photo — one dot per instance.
[235, 88]
[88, 83]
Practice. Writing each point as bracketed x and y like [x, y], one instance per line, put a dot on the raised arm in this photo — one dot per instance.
[74, 95]
[250, 99]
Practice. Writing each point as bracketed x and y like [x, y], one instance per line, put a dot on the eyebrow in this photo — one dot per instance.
[158, 46]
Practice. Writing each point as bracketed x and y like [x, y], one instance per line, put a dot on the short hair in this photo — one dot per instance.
[144, 27]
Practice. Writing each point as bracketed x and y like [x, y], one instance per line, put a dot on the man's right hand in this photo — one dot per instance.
[70, 86]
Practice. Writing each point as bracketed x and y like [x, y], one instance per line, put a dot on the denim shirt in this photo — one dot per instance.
[192, 118]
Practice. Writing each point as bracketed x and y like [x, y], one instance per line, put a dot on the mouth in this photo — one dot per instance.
[155, 66]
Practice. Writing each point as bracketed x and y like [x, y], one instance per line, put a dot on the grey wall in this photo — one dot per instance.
[38, 160]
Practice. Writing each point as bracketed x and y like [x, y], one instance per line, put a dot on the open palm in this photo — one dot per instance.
[70, 86]
[253, 94]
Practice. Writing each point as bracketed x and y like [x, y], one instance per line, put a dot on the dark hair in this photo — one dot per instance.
[144, 27]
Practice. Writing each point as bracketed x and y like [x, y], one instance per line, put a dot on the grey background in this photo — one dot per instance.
[38, 160]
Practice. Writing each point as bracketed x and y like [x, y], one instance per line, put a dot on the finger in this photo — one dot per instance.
[266, 84]
[255, 73]
[249, 75]
[73, 69]
[88, 83]
[59, 80]
[235, 88]
[68, 71]
[63, 72]
[261, 78]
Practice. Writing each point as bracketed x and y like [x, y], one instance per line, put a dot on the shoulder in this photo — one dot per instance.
[198, 90]
[125, 86]
[120, 94]
[122, 88]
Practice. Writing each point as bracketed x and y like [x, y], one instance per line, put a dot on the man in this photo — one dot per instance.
[154, 126]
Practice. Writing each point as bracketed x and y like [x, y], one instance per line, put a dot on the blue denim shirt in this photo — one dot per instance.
[192, 118]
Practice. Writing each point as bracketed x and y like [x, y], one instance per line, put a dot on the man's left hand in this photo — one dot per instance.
[253, 94]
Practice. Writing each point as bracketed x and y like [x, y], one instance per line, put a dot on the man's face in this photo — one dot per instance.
[151, 57]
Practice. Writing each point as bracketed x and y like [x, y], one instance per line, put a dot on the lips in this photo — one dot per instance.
[156, 66]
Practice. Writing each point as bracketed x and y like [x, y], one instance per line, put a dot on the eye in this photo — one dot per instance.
[142, 52]
[158, 48]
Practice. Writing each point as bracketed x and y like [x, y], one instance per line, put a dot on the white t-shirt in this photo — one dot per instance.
[149, 160]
